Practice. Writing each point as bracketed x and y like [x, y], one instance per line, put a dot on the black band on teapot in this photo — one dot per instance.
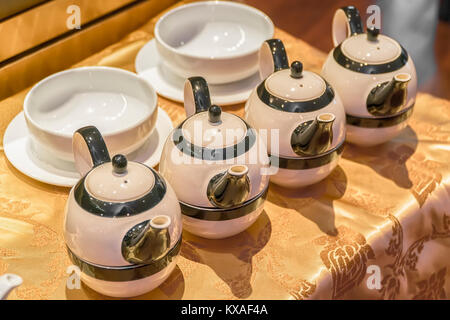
[125, 273]
[367, 68]
[222, 214]
[308, 162]
[281, 104]
[108, 209]
[380, 122]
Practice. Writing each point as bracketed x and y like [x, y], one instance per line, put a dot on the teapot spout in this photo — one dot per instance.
[387, 98]
[313, 137]
[8, 282]
[229, 188]
[147, 241]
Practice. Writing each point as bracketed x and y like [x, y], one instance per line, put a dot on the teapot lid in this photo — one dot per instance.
[214, 128]
[119, 180]
[371, 47]
[294, 84]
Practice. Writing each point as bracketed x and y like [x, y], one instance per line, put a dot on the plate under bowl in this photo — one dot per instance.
[19, 151]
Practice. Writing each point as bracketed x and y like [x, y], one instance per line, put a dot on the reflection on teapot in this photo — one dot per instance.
[147, 241]
[229, 188]
[313, 137]
[388, 97]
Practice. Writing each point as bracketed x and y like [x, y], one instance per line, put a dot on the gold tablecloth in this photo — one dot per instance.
[386, 207]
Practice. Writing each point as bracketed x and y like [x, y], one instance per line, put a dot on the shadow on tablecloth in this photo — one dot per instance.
[231, 258]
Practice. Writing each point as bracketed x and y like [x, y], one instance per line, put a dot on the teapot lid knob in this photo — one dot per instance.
[372, 33]
[296, 69]
[214, 113]
[119, 163]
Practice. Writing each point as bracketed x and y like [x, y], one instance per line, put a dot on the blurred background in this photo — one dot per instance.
[35, 41]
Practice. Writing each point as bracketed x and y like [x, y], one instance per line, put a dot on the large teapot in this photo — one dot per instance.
[374, 76]
[305, 111]
[215, 162]
[122, 222]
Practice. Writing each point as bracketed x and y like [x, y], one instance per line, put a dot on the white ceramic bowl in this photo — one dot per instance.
[217, 40]
[118, 102]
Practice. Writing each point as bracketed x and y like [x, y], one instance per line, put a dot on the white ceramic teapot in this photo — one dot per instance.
[374, 76]
[215, 162]
[122, 224]
[305, 110]
[8, 282]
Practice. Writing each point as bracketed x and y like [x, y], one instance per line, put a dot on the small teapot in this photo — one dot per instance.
[8, 282]
[122, 221]
[305, 110]
[215, 162]
[374, 76]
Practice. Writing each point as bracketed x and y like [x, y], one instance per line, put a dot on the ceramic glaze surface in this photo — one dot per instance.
[214, 29]
[347, 82]
[45, 167]
[302, 178]
[219, 39]
[216, 39]
[106, 185]
[220, 229]
[200, 131]
[125, 289]
[374, 76]
[108, 111]
[282, 124]
[190, 176]
[308, 87]
[369, 137]
[149, 66]
[113, 99]
[383, 50]
[8, 282]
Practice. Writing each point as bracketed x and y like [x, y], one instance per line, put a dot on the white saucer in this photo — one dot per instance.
[19, 151]
[170, 86]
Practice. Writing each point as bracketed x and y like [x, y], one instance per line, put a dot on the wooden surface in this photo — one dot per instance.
[310, 20]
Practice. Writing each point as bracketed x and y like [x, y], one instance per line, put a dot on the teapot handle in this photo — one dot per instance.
[196, 96]
[346, 22]
[89, 149]
[272, 57]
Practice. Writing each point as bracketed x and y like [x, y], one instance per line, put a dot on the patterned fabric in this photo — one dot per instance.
[384, 209]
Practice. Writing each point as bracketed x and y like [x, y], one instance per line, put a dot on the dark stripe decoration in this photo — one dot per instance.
[120, 209]
[354, 19]
[295, 106]
[200, 91]
[309, 163]
[95, 144]
[208, 154]
[125, 273]
[366, 68]
[222, 214]
[380, 122]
